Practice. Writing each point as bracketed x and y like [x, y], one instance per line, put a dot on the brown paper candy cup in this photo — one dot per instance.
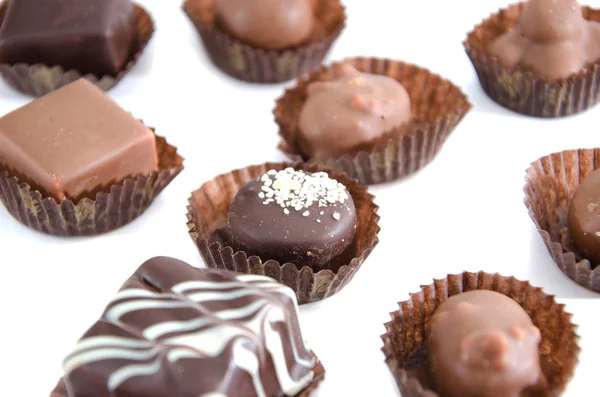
[61, 391]
[112, 208]
[404, 341]
[521, 90]
[257, 65]
[550, 185]
[438, 106]
[207, 220]
[38, 80]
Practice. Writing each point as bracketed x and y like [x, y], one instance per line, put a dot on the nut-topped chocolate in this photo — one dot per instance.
[90, 36]
[584, 218]
[352, 110]
[178, 331]
[269, 24]
[74, 141]
[483, 344]
[292, 216]
[552, 39]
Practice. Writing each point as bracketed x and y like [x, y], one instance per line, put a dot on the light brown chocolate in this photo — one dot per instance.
[552, 39]
[584, 218]
[483, 344]
[269, 24]
[75, 140]
[352, 110]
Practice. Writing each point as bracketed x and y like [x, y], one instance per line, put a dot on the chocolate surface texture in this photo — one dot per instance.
[178, 331]
[352, 110]
[269, 24]
[73, 141]
[90, 36]
[483, 344]
[552, 39]
[584, 218]
[293, 216]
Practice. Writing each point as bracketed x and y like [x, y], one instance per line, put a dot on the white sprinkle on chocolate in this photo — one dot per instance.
[298, 190]
[318, 221]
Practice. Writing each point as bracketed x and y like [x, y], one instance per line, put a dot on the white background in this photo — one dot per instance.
[464, 212]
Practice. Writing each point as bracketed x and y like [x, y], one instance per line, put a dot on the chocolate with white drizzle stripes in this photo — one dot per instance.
[177, 331]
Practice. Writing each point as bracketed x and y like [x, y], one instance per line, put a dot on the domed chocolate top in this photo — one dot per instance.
[584, 218]
[355, 109]
[269, 24]
[552, 39]
[483, 344]
[293, 216]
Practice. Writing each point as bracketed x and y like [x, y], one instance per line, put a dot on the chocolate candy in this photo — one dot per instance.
[90, 36]
[552, 39]
[177, 331]
[584, 218]
[353, 110]
[483, 344]
[292, 216]
[74, 141]
[269, 24]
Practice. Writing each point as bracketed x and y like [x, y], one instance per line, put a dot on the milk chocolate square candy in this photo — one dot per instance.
[91, 36]
[75, 141]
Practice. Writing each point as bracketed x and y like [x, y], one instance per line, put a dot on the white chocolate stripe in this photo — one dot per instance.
[119, 310]
[130, 371]
[90, 356]
[95, 342]
[210, 285]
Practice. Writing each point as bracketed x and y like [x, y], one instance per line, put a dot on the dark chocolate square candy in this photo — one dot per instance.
[91, 36]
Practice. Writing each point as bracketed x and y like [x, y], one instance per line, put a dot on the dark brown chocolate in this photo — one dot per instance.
[177, 331]
[292, 216]
[90, 36]
[269, 24]
[350, 111]
[483, 344]
[584, 218]
[74, 141]
[552, 39]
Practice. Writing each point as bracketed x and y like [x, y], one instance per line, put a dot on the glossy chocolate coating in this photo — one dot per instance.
[350, 111]
[584, 218]
[90, 36]
[552, 39]
[75, 140]
[483, 344]
[306, 234]
[269, 24]
[177, 331]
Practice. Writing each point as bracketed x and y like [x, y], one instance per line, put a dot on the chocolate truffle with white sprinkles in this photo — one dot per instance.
[293, 216]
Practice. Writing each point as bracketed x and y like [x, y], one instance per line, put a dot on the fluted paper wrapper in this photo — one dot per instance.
[319, 371]
[551, 182]
[207, 221]
[258, 65]
[521, 90]
[112, 208]
[38, 80]
[404, 341]
[438, 106]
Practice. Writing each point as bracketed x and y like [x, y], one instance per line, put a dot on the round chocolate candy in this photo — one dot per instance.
[353, 110]
[292, 216]
[584, 218]
[483, 344]
[269, 24]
